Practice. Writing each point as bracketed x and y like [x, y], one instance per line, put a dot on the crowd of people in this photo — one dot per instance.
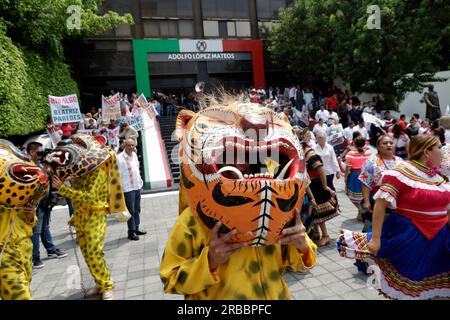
[391, 169]
[123, 139]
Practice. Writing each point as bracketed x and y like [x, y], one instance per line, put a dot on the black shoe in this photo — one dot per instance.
[38, 264]
[58, 253]
[133, 236]
[140, 232]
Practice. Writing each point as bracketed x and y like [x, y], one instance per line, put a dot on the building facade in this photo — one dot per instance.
[106, 62]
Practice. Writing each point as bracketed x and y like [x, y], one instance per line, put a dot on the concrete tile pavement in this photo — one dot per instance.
[134, 265]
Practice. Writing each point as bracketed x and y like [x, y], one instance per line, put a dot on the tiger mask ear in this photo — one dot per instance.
[184, 116]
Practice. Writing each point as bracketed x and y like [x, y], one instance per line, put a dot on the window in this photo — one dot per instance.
[268, 8]
[123, 30]
[241, 9]
[119, 6]
[184, 8]
[225, 9]
[123, 45]
[264, 27]
[211, 28]
[223, 31]
[166, 8]
[231, 27]
[168, 29]
[151, 29]
[209, 8]
[186, 28]
[243, 29]
[105, 45]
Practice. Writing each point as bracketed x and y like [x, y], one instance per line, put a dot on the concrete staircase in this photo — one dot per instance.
[167, 126]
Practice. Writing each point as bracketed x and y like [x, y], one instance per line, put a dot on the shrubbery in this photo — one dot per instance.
[32, 56]
[26, 80]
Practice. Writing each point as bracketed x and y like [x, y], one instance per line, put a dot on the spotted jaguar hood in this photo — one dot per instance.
[21, 180]
[78, 156]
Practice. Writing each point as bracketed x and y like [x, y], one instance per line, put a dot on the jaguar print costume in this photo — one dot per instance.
[241, 165]
[21, 182]
[95, 191]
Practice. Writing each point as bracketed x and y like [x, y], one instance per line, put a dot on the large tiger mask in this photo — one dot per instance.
[242, 165]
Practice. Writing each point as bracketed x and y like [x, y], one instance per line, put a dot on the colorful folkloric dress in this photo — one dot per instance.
[326, 204]
[414, 259]
[445, 163]
[371, 175]
[355, 161]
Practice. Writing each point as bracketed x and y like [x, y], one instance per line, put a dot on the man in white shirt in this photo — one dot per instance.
[332, 118]
[292, 94]
[322, 113]
[132, 184]
[320, 128]
[308, 97]
[329, 160]
[367, 108]
[362, 129]
[348, 132]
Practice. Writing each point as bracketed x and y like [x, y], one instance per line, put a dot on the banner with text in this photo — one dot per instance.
[111, 108]
[135, 119]
[143, 103]
[65, 109]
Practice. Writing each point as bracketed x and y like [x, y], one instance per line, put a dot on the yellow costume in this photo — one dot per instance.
[15, 269]
[94, 195]
[22, 182]
[250, 273]
[96, 190]
[242, 165]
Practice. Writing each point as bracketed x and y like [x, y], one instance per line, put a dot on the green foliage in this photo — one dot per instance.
[32, 62]
[329, 39]
[42, 24]
[26, 80]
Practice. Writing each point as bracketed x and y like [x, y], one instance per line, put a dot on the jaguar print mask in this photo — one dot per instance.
[80, 155]
[241, 164]
[21, 180]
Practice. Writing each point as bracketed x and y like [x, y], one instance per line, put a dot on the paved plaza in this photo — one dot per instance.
[135, 264]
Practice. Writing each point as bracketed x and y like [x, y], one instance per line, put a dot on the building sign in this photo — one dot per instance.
[148, 51]
[199, 56]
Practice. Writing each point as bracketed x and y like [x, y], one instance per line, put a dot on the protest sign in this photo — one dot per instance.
[135, 119]
[111, 108]
[65, 109]
[142, 102]
[369, 118]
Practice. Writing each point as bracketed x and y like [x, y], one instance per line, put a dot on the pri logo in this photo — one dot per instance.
[201, 45]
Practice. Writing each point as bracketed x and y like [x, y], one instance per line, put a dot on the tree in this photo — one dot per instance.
[32, 60]
[330, 39]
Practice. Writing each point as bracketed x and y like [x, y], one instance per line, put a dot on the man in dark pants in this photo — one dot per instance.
[132, 184]
[42, 228]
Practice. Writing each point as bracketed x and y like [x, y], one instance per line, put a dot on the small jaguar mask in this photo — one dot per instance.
[21, 180]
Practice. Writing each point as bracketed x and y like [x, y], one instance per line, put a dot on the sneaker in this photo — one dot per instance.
[108, 295]
[141, 232]
[38, 264]
[58, 253]
[133, 236]
[92, 292]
